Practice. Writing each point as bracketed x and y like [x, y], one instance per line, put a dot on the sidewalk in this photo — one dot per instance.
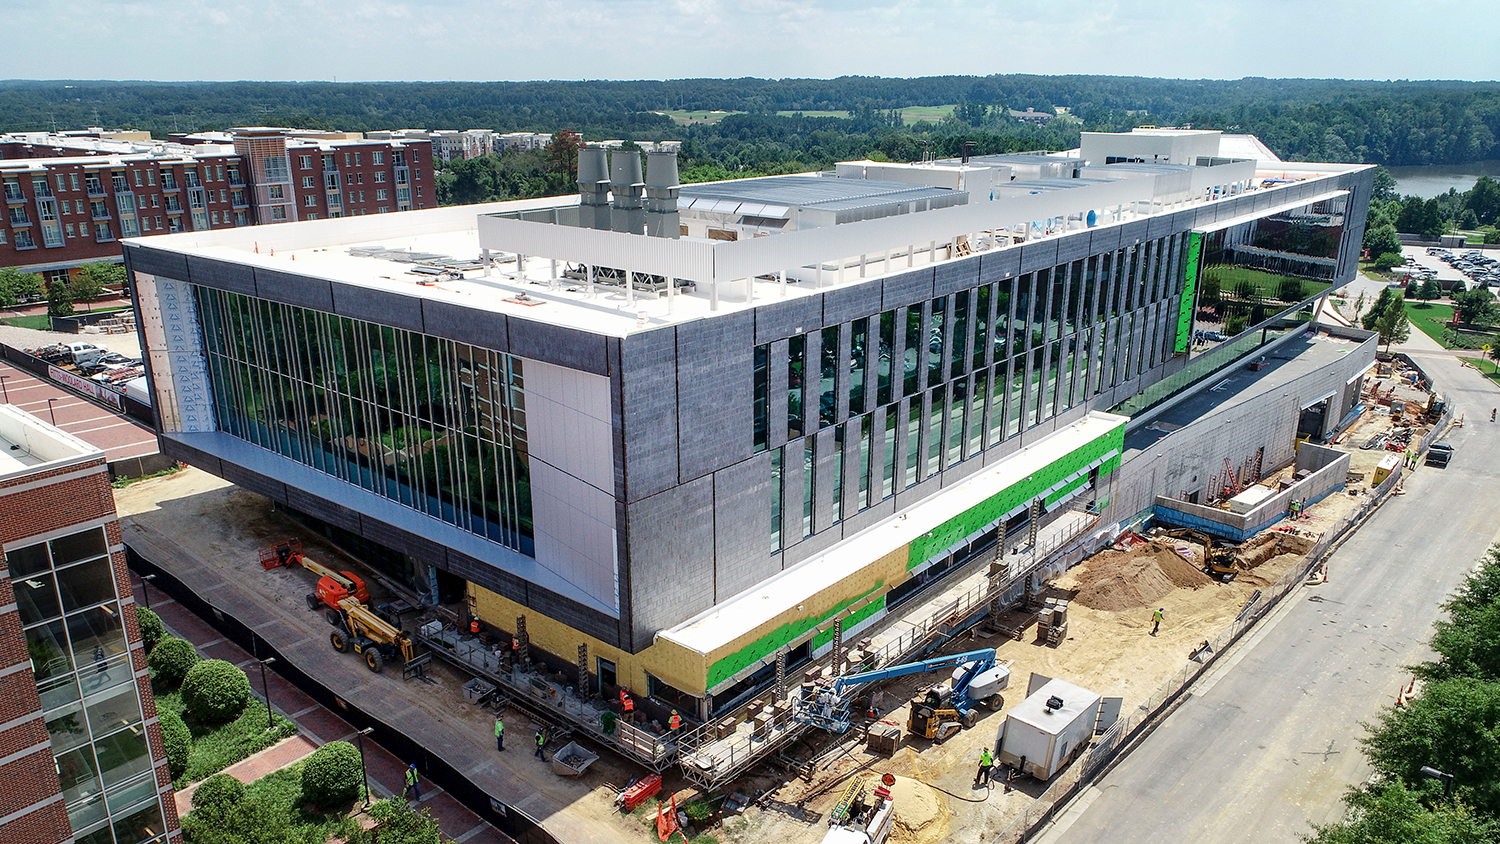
[318, 726]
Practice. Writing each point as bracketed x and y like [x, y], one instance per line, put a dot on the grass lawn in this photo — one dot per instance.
[1267, 285]
[912, 114]
[216, 748]
[1429, 318]
[1486, 367]
[39, 322]
[699, 116]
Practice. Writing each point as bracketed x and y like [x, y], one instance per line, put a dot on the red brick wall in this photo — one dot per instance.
[41, 510]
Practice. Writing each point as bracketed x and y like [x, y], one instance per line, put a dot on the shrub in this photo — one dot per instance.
[1384, 263]
[152, 630]
[218, 794]
[398, 823]
[332, 774]
[171, 660]
[215, 691]
[177, 742]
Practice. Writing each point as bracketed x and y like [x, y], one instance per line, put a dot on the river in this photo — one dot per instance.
[1429, 181]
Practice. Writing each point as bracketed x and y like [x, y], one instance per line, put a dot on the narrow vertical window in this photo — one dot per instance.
[884, 363]
[762, 392]
[778, 489]
[828, 369]
[888, 476]
[807, 487]
[910, 355]
[935, 335]
[796, 354]
[859, 336]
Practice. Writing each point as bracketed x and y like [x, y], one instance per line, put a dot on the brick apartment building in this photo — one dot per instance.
[69, 197]
[80, 747]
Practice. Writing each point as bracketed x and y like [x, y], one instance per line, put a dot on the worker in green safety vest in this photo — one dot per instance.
[499, 733]
[411, 782]
[986, 762]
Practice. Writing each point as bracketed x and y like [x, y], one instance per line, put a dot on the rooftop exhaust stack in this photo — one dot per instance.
[627, 184]
[593, 187]
[662, 188]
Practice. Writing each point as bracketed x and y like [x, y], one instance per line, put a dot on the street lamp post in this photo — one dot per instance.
[4, 396]
[266, 690]
[146, 593]
[50, 414]
[1434, 773]
[360, 737]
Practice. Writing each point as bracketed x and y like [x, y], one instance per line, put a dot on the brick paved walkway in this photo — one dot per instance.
[318, 726]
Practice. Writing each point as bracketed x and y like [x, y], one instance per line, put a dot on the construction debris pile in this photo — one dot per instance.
[1121, 580]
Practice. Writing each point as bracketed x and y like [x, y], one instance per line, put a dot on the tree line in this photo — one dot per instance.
[1476, 210]
[1392, 123]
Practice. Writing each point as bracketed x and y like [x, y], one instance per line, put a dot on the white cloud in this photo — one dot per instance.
[635, 39]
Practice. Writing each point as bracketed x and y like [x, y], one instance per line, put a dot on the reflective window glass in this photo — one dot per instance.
[111, 710]
[78, 546]
[86, 584]
[143, 825]
[65, 728]
[125, 796]
[102, 835]
[28, 560]
[123, 755]
[97, 635]
[88, 810]
[77, 774]
[36, 598]
[48, 649]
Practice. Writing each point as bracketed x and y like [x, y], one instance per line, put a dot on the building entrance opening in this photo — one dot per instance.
[607, 680]
[1313, 420]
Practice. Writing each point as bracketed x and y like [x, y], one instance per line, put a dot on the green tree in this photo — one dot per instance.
[1454, 726]
[1393, 326]
[59, 300]
[1383, 301]
[17, 287]
[1476, 307]
[397, 823]
[1422, 217]
[1391, 813]
[1387, 261]
[1385, 185]
[1430, 290]
[1210, 292]
[1382, 239]
[1484, 200]
[215, 691]
[1467, 641]
[562, 152]
[1290, 290]
[171, 660]
[91, 280]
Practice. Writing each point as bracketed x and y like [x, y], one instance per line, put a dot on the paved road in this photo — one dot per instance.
[1267, 742]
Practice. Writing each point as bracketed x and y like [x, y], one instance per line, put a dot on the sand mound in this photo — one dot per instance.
[1122, 580]
[1258, 550]
[921, 813]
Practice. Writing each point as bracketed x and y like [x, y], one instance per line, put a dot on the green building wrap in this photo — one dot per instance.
[771, 642]
[1189, 292]
[1070, 468]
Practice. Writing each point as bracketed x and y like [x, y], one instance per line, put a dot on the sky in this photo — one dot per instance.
[483, 40]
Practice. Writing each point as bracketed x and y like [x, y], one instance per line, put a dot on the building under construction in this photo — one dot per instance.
[687, 439]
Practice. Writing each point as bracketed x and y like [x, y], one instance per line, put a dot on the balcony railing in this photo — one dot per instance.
[14, 194]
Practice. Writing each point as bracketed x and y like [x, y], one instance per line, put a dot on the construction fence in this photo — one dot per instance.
[1108, 745]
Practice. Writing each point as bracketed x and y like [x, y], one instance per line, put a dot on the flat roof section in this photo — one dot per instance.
[94, 427]
[739, 616]
[28, 445]
[807, 192]
[1237, 385]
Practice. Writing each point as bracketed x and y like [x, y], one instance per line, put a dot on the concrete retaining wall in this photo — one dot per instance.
[1330, 468]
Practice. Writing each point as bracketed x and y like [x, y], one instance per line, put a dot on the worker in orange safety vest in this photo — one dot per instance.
[675, 722]
[626, 702]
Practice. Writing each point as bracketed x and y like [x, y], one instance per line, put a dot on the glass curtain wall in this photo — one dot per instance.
[436, 425]
[75, 635]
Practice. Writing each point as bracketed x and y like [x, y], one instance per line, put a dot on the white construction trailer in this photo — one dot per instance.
[1048, 728]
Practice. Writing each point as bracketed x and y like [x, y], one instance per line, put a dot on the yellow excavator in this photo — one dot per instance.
[359, 628]
[1218, 562]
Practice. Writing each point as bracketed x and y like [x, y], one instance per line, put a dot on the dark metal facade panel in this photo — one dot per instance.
[779, 320]
[1159, 225]
[335, 514]
[648, 398]
[144, 259]
[253, 481]
[465, 325]
[495, 579]
[715, 389]
[1133, 232]
[906, 289]
[994, 266]
[957, 275]
[574, 614]
[1073, 247]
[191, 456]
[1104, 239]
[557, 344]
[844, 304]
[221, 275]
[742, 520]
[672, 534]
[1184, 220]
[292, 289]
[1039, 255]
[378, 306]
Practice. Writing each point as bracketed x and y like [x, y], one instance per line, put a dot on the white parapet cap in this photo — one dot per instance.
[29, 445]
[732, 620]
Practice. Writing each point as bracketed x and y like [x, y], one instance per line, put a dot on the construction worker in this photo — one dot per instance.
[1156, 618]
[986, 762]
[627, 703]
[499, 733]
[675, 722]
[1492, 414]
[412, 785]
[541, 742]
[474, 626]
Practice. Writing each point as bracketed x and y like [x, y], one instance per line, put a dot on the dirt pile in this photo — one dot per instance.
[1123, 580]
[1256, 551]
[921, 814]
